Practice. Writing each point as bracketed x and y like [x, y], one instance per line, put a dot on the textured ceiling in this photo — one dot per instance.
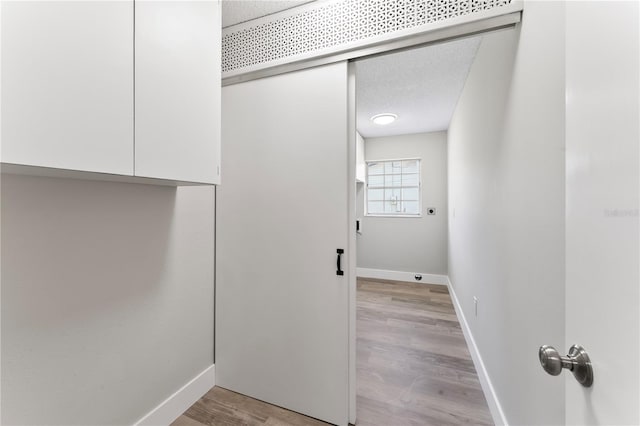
[237, 11]
[421, 86]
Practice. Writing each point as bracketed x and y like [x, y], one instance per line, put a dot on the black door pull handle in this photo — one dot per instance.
[339, 271]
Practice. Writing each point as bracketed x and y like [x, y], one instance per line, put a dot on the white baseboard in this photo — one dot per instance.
[383, 274]
[499, 419]
[171, 408]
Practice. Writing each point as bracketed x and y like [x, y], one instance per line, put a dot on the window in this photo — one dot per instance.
[393, 188]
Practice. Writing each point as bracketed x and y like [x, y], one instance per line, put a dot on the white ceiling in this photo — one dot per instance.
[421, 86]
[237, 11]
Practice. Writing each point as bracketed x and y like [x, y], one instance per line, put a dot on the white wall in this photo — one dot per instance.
[107, 297]
[361, 166]
[409, 244]
[506, 200]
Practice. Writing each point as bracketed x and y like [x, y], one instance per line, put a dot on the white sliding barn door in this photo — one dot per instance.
[281, 309]
[603, 191]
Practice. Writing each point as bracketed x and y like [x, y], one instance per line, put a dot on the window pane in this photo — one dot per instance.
[393, 187]
[393, 180]
[376, 181]
[410, 194]
[375, 207]
[375, 168]
[410, 166]
[392, 167]
[392, 207]
[411, 207]
[375, 194]
[411, 180]
[393, 195]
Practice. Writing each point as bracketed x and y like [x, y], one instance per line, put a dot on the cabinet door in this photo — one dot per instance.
[67, 84]
[177, 90]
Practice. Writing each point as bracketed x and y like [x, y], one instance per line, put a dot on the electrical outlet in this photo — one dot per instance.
[475, 305]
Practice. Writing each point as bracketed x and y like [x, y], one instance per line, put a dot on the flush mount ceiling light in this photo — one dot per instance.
[384, 118]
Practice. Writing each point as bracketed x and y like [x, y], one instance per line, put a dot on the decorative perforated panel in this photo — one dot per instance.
[336, 24]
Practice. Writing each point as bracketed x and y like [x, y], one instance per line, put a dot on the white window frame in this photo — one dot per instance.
[397, 215]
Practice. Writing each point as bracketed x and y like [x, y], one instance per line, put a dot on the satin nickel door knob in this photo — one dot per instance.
[577, 361]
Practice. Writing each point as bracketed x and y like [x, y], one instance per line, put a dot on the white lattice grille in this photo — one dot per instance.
[336, 24]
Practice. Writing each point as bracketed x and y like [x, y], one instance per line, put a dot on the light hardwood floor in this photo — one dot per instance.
[413, 367]
[413, 364]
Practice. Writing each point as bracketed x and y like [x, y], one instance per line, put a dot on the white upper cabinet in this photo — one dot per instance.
[177, 91]
[67, 85]
[128, 88]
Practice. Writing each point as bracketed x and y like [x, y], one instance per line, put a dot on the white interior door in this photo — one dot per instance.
[602, 287]
[282, 212]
